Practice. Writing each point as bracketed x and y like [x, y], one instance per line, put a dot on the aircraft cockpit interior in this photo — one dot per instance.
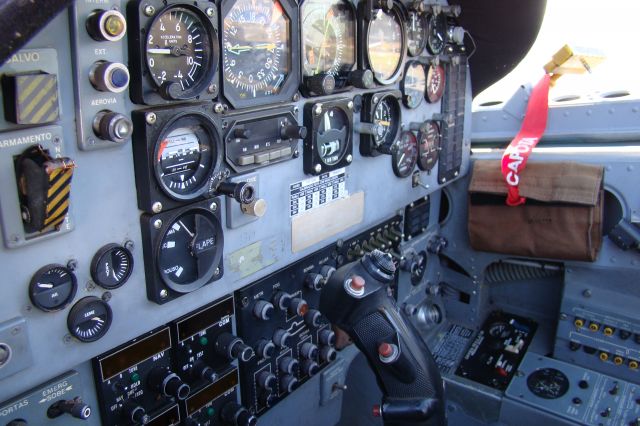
[319, 213]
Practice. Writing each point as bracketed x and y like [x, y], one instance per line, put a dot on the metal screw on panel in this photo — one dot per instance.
[14, 238]
[67, 339]
[455, 173]
[157, 224]
[213, 88]
[213, 206]
[244, 302]
[218, 108]
[317, 109]
[210, 12]
[296, 97]
[225, 124]
[149, 10]
[350, 105]
[106, 296]
[296, 109]
[91, 141]
[586, 293]
[156, 207]
[317, 168]
[296, 153]
[90, 286]
[15, 331]
[56, 140]
[375, 99]
[150, 117]
[129, 245]
[72, 264]
[443, 180]
[164, 294]
[563, 316]
[349, 158]
[216, 272]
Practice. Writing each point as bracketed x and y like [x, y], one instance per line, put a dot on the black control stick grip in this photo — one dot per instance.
[355, 299]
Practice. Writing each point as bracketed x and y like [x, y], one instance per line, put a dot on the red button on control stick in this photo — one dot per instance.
[357, 283]
[385, 350]
[377, 412]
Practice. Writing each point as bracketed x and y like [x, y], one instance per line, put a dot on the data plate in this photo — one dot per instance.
[316, 191]
[449, 349]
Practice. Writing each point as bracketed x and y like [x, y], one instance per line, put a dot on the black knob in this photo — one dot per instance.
[136, 413]
[167, 383]
[282, 338]
[606, 412]
[288, 383]
[267, 399]
[263, 310]
[308, 350]
[362, 79]
[310, 367]
[241, 133]
[314, 281]
[75, 407]
[583, 384]
[242, 192]
[321, 84]
[234, 414]
[282, 299]
[232, 347]
[293, 131]
[204, 372]
[112, 126]
[312, 318]
[170, 91]
[328, 354]
[288, 365]
[298, 306]
[18, 422]
[327, 337]
[265, 348]
[266, 380]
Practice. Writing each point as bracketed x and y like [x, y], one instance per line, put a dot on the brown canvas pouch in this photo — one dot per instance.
[561, 219]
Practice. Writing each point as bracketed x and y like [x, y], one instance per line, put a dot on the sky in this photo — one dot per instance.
[610, 26]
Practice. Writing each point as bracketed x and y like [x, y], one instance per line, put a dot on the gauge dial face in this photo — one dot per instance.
[332, 137]
[405, 154]
[179, 52]
[437, 33]
[429, 144]
[500, 330]
[89, 319]
[548, 383]
[435, 83]
[386, 117]
[416, 33]
[111, 266]
[185, 156]
[414, 85]
[256, 49]
[52, 288]
[190, 250]
[328, 37]
[385, 44]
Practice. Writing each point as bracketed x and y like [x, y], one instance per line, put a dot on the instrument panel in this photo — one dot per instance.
[165, 188]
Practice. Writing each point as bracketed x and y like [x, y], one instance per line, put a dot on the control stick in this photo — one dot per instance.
[355, 299]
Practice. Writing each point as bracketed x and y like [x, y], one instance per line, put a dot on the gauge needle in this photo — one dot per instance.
[265, 46]
[401, 158]
[237, 49]
[191, 234]
[384, 123]
[45, 285]
[159, 51]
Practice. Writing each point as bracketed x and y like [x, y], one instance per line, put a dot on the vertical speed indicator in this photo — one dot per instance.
[256, 50]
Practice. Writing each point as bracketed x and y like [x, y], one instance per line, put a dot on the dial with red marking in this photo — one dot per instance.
[435, 83]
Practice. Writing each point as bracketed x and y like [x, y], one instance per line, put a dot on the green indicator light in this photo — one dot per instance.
[211, 411]
[135, 377]
[204, 340]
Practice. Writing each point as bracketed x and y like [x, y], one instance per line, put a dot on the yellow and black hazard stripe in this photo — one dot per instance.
[35, 98]
[60, 172]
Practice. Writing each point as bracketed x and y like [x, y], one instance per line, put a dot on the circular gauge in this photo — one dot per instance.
[500, 330]
[416, 33]
[414, 84]
[548, 383]
[256, 49]
[405, 154]
[190, 250]
[52, 287]
[89, 319]
[435, 83]
[181, 55]
[185, 155]
[418, 267]
[436, 33]
[332, 136]
[386, 45]
[428, 145]
[328, 37]
[111, 266]
[386, 117]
